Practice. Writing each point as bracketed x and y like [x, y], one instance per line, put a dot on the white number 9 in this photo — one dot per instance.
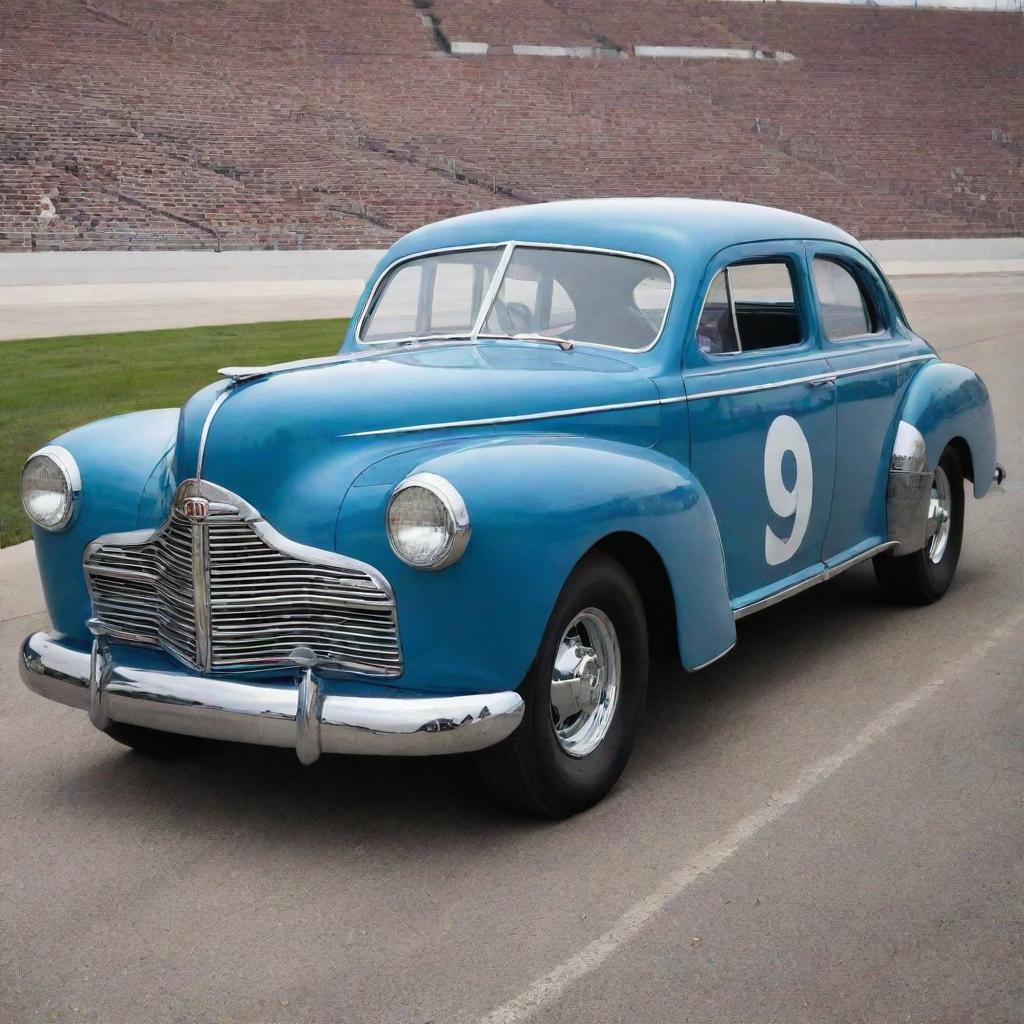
[785, 435]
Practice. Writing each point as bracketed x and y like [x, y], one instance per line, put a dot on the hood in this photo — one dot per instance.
[292, 442]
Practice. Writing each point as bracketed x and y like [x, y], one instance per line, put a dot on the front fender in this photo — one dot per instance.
[537, 505]
[126, 485]
[945, 401]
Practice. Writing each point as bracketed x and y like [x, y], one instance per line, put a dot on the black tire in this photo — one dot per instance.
[152, 742]
[530, 770]
[916, 579]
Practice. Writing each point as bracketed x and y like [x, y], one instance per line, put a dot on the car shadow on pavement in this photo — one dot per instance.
[236, 790]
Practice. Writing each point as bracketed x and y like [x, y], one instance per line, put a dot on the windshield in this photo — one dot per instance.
[569, 295]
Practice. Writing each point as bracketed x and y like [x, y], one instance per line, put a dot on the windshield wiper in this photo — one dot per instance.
[565, 344]
[410, 338]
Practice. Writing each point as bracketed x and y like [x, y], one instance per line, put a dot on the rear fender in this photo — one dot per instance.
[945, 401]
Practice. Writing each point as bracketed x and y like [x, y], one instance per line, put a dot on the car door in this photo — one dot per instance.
[761, 406]
[873, 355]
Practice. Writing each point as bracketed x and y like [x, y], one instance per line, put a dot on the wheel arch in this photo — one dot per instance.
[639, 557]
[964, 454]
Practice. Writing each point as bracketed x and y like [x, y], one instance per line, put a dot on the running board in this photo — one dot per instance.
[826, 574]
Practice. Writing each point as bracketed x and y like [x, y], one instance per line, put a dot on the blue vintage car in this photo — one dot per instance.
[552, 434]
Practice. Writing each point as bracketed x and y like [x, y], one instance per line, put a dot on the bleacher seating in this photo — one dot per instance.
[331, 123]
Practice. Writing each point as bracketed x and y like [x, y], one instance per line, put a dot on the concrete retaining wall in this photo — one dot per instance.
[60, 293]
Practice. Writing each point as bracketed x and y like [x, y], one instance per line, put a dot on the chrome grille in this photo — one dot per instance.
[144, 592]
[259, 596]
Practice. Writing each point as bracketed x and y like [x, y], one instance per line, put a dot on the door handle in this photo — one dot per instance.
[825, 381]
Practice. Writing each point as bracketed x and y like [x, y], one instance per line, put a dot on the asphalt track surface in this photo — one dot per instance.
[827, 825]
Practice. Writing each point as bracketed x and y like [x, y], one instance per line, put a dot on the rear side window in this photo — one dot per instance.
[750, 306]
[846, 310]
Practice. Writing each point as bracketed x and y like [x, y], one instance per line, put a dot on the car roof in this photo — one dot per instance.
[671, 229]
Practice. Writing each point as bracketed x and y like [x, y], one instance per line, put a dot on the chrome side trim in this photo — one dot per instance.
[223, 709]
[806, 358]
[713, 371]
[613, 406]
[510, 244]
[750, 388]
[525, 417]
[853, 371]
[829, 572]
[878, 346]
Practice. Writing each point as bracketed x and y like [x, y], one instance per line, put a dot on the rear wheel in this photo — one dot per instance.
[922, 577]
[584, 696]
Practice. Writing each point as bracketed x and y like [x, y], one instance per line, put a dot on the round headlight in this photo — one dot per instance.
[428, 525]
[49, 483]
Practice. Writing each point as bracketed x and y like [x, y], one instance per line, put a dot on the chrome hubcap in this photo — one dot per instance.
[585, 682]
[940, 511]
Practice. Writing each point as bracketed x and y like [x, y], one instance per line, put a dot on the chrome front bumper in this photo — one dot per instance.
[300, 716]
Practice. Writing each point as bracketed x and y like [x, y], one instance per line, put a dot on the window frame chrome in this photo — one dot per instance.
[510, 245]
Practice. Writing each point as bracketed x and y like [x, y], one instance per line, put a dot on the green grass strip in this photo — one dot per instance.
[50, 385]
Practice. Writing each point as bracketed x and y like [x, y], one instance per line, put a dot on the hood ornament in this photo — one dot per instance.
[239, 374]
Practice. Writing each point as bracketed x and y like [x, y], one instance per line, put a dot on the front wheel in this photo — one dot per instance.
[922, 577]
[584, 696]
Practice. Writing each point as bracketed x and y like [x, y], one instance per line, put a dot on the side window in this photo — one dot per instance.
[750, 306]
[846, 311]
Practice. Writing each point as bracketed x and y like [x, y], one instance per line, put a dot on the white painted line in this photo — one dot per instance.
[712, 53]
[467, 49]
[551, 986]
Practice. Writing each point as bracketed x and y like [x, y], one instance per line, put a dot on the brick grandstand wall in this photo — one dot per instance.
[330, 123]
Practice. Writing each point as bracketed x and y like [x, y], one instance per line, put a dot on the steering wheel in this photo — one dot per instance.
[513, 317]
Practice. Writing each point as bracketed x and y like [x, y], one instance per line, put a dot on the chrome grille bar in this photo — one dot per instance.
[225, 592]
